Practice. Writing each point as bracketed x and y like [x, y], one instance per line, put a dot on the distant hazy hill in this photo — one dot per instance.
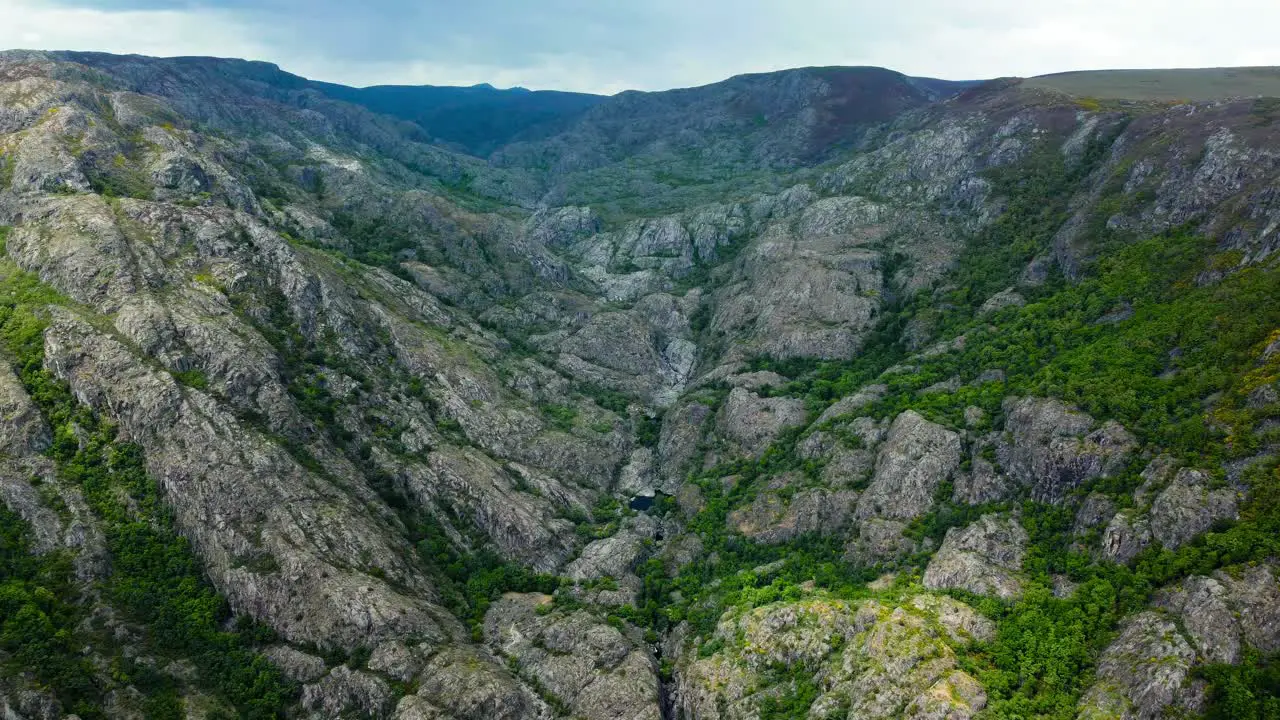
[476, 119]
[481, 119]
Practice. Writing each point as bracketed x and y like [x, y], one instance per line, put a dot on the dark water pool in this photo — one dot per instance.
[642, 503]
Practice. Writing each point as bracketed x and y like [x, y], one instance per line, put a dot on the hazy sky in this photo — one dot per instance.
[607, 46]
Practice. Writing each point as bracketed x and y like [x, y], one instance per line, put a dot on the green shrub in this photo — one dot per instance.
[562, 416]
[192, 378]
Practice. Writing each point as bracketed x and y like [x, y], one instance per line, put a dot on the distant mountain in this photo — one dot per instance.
[640, 149]
[476, 120]
[481, 119]
[943, 89]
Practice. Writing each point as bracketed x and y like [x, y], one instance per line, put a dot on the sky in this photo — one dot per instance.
[605, 46]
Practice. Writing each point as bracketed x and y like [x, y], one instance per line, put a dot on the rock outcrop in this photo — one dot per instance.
[1125, 536]
[772, 519]
[983, 558]
[1053, 449]
[1004, 299]
[682, 430]
[466, 684]
[592, 667]
[346, 692]
[23, 430]
[752, 422]
[1228, 612]
[1188, 507]
[984, 482]
[916, 458]
[271, 506]
[1148, 671]
[1174, 506]
[1141, 673]
[877, 660]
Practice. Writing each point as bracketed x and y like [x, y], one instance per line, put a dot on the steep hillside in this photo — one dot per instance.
[824, 393]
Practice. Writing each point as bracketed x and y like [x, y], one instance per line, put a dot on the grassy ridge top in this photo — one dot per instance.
[1175, 84]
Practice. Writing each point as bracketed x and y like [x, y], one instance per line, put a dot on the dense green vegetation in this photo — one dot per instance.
[791, 705]
[1248, 691]
[155, 581]
[1042, 657]
[38, 617]
[377, 242]
[471, 581]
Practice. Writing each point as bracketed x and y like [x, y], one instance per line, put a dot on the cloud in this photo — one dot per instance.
[655, 44]
[35, 25]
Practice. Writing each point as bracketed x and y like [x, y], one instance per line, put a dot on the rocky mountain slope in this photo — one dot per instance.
[825, 393]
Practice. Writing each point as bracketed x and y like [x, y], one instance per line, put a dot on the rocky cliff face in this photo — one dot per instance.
[872, 660]
[625, 420]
